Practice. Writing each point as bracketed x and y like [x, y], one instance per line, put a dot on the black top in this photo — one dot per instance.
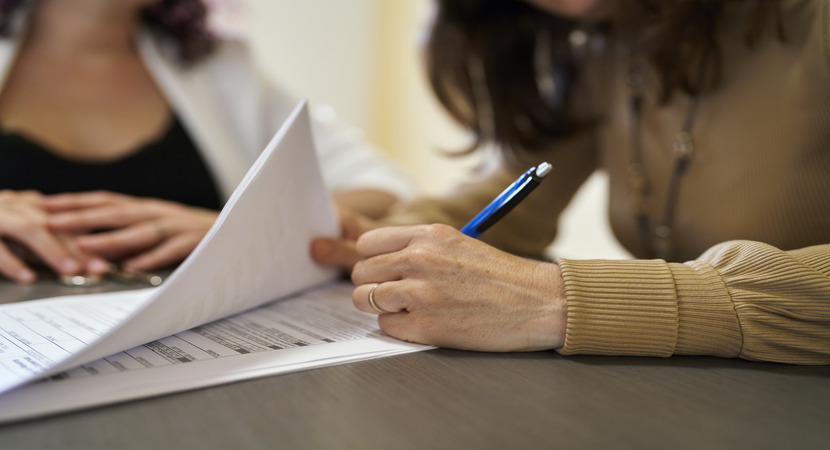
[169, 168]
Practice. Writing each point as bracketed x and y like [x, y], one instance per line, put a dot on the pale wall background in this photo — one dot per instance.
[362, 58]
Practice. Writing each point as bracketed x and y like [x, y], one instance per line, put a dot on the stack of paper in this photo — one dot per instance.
[256, 253]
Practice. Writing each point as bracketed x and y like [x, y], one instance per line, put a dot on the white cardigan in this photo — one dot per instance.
[231, 112]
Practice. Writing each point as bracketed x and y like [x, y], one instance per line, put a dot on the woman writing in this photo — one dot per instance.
[711, 119]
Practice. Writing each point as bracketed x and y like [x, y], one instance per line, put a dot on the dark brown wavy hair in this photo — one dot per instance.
[183, 21]
[482, 58]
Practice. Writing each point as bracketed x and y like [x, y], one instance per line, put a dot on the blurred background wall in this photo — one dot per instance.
[362, 57]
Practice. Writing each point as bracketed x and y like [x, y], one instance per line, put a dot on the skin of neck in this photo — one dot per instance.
[84, 27]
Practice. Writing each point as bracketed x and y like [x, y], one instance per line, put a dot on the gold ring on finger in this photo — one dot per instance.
[372, 303]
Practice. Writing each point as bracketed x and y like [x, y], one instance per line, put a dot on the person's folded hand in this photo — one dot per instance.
[141, 233]
[26, 238]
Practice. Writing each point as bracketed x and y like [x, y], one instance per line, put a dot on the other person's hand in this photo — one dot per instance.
[440, 287]
[25, 237]
[341, 252]
[142, 233]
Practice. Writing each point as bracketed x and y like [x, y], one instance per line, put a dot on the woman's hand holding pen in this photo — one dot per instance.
[437, 286]
[144, 233]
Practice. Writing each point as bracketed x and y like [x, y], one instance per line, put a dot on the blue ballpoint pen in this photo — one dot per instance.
[507, 200]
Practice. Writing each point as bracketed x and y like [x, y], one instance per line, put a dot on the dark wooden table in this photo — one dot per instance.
[448, 399]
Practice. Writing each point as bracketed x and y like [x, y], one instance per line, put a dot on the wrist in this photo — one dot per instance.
[548, 287]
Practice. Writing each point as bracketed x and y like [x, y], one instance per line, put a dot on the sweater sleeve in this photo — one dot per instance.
[740, 299]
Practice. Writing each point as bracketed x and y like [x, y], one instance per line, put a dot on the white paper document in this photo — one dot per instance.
[312, 329]
[192, 331]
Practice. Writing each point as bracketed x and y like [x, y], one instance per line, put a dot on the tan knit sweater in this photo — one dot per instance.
[752, 216]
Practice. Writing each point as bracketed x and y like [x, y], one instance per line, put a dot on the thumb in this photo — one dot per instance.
[353, 224]
[335, 252]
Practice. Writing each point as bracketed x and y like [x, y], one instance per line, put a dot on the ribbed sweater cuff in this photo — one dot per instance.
[647, 308]
[626, 307]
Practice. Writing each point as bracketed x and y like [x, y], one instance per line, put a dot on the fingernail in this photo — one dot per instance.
[322, 247]
[98, 266]
[25, 276]
[69, 266]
